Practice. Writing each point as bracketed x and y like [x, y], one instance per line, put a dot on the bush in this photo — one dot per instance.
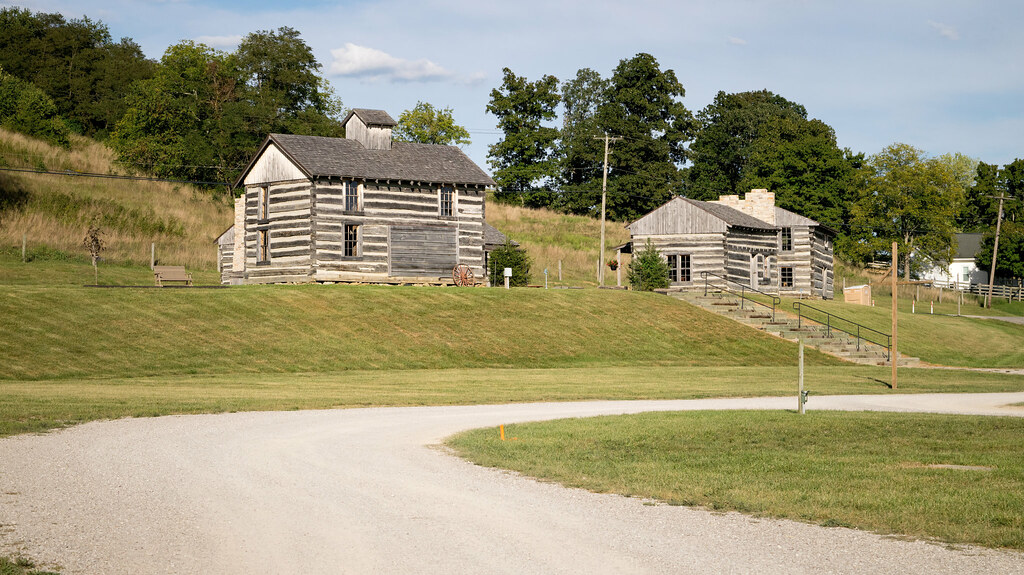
[648, 270]
[509, 256]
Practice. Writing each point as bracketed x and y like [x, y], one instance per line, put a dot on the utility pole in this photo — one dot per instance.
[995, 250]
[893, 354]
[604, 194]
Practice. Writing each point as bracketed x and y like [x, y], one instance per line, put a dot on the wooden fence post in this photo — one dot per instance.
[24, 241]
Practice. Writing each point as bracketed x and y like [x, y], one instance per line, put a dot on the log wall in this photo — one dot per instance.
[706, 251]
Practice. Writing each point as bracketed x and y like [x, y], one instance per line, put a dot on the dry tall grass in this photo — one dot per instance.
[550, 237]
[55, 210]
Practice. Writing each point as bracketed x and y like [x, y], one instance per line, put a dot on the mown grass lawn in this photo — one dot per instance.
[32, 406]
[874, 471]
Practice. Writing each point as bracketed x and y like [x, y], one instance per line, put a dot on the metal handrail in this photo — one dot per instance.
[799, 307]
[776, 300]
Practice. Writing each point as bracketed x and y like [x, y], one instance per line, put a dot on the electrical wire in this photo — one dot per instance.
[77, 174]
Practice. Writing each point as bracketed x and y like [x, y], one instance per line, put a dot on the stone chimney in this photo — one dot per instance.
[757, 203]
[371, 128]
[761, 205]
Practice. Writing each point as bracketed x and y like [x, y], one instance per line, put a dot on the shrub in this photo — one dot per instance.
[509, 256]
[648, 270]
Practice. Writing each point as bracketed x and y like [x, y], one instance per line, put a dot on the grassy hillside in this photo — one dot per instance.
[549, 236]
[54, 211]
[66, 332]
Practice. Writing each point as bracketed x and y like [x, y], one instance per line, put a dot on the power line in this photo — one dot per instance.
[77, 174]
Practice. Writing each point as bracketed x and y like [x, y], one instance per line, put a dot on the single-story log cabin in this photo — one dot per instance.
[357, 209]
[749, 241]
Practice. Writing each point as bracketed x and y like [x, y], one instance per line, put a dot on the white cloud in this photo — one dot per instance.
[737, 41]
[945, 30]
[219, 41]
[372, 64]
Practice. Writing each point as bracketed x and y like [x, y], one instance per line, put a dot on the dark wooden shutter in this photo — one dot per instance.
[426, 252]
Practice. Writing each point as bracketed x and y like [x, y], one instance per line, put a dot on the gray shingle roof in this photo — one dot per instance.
[338, 157]
[372, 117]
[968, 245]
[731, 216]
[494, 238]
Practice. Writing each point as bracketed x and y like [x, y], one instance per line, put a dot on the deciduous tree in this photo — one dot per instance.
[761, 140]
[524, 161]
[642, 105]
[910, 199]
[429, 125]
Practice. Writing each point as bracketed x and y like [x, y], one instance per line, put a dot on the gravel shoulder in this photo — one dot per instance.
[367, 491]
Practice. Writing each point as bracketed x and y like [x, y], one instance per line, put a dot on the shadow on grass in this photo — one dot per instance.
[875, 379]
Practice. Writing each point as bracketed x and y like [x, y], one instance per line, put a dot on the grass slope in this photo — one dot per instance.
[549, 237]
[54, 211]
[56, 333]
[864, 470]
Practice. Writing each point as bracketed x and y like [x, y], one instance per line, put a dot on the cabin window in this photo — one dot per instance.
[786, 277]
[786, 239]
[351, 240]
[352, 203]
[263, 248]
[447, 202]
[679, 267]
[263, 200]
[760, 267]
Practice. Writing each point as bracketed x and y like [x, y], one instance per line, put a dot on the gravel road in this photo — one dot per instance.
[369, 491]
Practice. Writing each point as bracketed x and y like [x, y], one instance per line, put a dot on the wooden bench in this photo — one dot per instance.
[166, 274]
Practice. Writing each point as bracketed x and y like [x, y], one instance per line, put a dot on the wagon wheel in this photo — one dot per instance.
[462, 275]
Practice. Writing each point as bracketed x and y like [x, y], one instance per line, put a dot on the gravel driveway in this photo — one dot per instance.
[368, 491]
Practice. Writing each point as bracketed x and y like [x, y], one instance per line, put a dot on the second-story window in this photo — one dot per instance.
[786, 237]
[447, 202]
[351, 197]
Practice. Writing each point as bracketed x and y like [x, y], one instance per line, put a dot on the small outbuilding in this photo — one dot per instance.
[749, 241]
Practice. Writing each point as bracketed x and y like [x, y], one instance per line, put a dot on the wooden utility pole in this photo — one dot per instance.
[604, 194]
[995, 250]
[895, 290]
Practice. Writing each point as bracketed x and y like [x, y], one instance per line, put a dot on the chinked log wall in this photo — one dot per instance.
[387, 208]
[289, 226]
[706, 251]
[740, 245]
[306, 224]
[822, 261]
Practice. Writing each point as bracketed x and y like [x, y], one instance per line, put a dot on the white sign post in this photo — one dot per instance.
[508, 275]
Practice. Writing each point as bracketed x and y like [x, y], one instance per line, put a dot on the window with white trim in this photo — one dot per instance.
[786, 277]
[353, 202]
[679, 267]
[446, 199]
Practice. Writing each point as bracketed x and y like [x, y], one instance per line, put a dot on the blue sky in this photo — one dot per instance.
[941, 75]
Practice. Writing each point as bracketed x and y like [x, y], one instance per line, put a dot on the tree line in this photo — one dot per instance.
[740, 141]
[199, 114]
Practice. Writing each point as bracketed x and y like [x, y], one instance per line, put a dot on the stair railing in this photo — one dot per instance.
[742, 293]
[853, 328]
